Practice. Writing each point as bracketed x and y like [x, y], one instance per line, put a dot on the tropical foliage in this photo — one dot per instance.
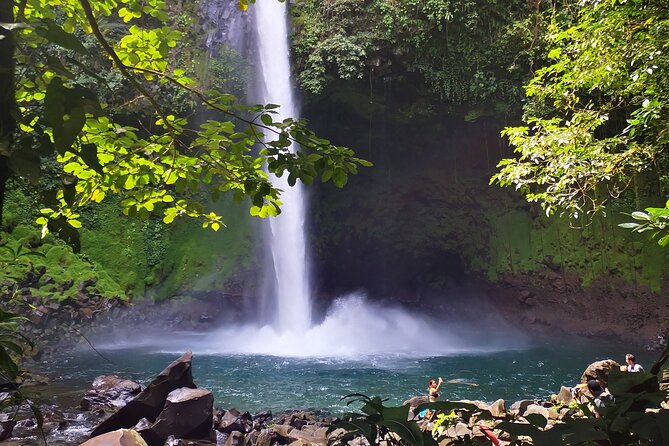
[474, 52]
[595, 119]
[162, 165]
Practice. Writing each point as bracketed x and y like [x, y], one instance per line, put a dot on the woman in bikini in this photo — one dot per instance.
[433, 394]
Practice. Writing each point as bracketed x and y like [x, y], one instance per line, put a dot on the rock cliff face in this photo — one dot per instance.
[553, 304]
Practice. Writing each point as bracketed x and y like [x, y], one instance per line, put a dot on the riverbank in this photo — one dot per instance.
[112, 401]
[551, 303]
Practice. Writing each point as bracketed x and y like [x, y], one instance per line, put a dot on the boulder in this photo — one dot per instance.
[321, 433]
[599, 370]
[110, 391]
[415, 401]
[149, 403]
[564, 396]
[266, 438]
[121, 437]
[232, 421]
[188, 413]
[536, 408]
[306, 436]
[498, 409]
[459, 430]
[519, 407]
[235, 439]
[282, 429]
[261, 419]
[336, 434]
[480, 404]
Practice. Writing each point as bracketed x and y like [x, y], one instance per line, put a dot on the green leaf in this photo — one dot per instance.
[395, 419]
[65, 111]
[55, 34]
[89, 153]
[69, 192]
[517, 429]
[622, 383]
[663, 241]
[266, 119]
[7, 365]
[638, 215]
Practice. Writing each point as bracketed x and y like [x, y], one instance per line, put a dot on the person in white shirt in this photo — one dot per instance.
[632, 366]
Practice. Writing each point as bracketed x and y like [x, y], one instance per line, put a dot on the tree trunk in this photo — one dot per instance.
[7, 99]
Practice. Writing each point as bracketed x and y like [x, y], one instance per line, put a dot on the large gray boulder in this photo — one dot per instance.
[149, 403]
[188, 413]
[261, 419]
[537, 409]
[599, 370]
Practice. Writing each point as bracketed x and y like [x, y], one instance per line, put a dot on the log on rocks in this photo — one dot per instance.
[149, 403]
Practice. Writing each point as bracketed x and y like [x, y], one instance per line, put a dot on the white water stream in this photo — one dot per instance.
[287, 242]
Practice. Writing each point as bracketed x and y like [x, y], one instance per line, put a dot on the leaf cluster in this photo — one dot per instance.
[461, 52]
[594, 113]
[653, 219]
[379, 423]
[160, 168]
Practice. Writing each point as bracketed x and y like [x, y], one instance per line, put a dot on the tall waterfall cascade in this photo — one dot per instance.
[288, 246]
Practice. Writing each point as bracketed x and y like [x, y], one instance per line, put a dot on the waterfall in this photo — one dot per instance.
[293, 306]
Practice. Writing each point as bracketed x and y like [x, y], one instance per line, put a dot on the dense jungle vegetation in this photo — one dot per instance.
[112, 141]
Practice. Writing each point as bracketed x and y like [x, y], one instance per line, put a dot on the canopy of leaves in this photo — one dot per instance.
[596, 114]
[473, 51]
[164, 166]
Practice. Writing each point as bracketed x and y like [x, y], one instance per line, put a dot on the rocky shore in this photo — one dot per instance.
[173, 411]
[553, 303]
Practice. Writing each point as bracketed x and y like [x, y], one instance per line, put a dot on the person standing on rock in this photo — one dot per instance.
[432, 395]
[433, 389]
[632, 366]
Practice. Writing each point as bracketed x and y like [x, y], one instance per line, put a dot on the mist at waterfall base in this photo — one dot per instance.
[352, 327]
